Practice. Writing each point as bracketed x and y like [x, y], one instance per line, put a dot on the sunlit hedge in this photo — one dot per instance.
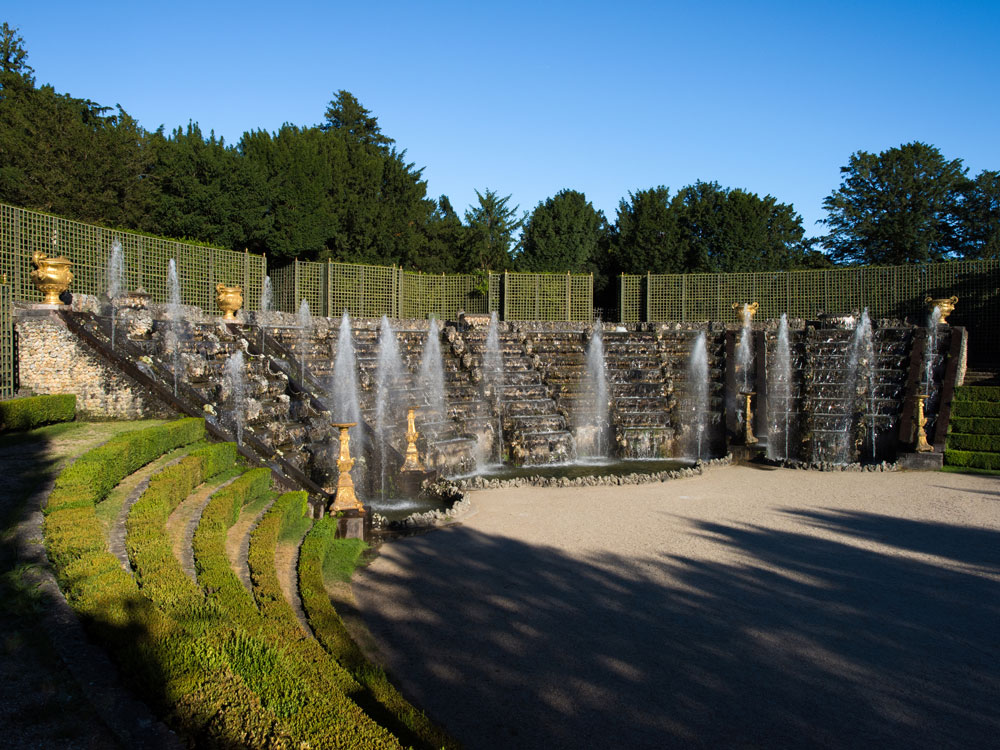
[35, 411]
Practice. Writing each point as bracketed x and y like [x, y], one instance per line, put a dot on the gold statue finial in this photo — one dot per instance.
[345, 499]
[412, 459]
[748, 436]
[922, 445]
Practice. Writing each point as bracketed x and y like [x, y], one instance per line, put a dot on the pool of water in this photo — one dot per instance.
[396, 509]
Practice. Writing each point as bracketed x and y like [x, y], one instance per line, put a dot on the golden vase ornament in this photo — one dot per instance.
[229, 299]
[746, 309]
[51, 276]
[945, 306]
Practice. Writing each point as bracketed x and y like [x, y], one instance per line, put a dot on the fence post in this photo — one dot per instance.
[506, 287]
[568, 293]
[328, 297]
[295, 285]
[684, 290]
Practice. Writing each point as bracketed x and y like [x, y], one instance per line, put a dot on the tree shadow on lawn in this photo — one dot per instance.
[801, 642]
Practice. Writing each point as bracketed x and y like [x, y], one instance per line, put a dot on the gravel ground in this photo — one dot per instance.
[743, 608]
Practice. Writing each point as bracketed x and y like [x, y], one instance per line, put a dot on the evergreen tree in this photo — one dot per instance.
[898, 206]
[731, 230]
[562, 234]
[345, 114]
[979, 216]
[492, 225]
[645, 234]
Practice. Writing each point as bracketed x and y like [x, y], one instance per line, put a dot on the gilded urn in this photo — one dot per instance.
[51, 276]
[945, 305]
[229, 299]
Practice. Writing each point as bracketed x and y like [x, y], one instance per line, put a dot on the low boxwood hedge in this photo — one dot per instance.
[973, 459]
[35, 411]
[395, 710]
[990, 409]
[961, 441]
[977, 393]
[975, 425]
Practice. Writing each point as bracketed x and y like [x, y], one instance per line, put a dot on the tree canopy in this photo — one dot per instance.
[562, 234]
[898, 206]
[341, 189]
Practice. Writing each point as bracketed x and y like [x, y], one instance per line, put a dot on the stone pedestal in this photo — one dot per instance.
[352, 525]
[921, 461]
[747, 454]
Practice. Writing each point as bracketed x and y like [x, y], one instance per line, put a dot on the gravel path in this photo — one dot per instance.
[744, 608]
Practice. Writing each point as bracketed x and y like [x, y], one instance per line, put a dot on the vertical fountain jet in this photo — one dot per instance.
[175, 317]
[344, 390]
[389, 372]
[494, 376]
[116, 280]
[432, 373]
[697, 397]
[594, 421]
[304, 320]
[779, 395]
[234, 393]
[266, 295]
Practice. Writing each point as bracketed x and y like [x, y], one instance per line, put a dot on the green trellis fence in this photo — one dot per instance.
[887, 292]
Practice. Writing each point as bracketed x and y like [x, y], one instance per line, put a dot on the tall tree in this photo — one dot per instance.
[898, 206]
[445, 238]
[729, 230]
[979, 216]
[645, 234]
[14, 55]
[345, 114]
[562, 234]
[492, 225]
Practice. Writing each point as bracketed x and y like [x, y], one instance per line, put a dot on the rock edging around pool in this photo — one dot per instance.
[456, 492]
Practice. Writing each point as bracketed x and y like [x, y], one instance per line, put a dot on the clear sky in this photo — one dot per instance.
[528, 98]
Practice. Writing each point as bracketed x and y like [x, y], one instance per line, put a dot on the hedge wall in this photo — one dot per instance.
[35, 411]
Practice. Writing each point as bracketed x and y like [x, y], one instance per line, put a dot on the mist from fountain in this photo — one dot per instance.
[494, 376]
[744, 352]
[594, 418]
[304, 320]
[779, 395]
[697, 381]
[930, 359]
[235, 393]
[116, 280]
[175, 319]
[344, 389]
[389, 372]
[266, 295]
[860, 353]
[432, 373]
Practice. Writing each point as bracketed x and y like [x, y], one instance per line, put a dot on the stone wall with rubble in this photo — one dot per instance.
[51, 359]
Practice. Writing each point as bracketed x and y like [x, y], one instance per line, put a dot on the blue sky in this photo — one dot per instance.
[531, 98]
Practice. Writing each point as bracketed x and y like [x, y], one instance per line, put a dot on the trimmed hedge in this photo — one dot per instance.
[961, 441]
[990, 409]
[91, 477]
[35, 411]
[977, 393]
[289, 671]
[407, 721]
[976, 425]
[973, 459]
[184, 676]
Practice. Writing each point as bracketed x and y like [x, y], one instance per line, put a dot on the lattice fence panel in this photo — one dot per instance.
[629, 298]
[6, 341]
[283, 288]
[443, 296]
[548, 296]
[23, 232]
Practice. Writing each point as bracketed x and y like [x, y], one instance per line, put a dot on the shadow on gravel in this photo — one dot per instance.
[805, 643]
